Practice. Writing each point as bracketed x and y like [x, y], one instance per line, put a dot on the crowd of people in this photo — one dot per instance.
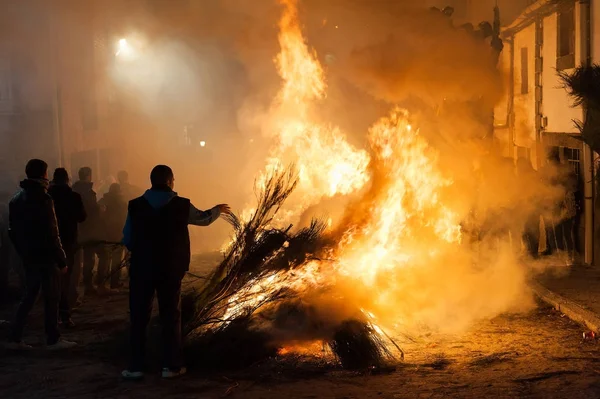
[57, 231]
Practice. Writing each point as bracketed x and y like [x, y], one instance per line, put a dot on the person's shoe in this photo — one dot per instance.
[17, 346]
[132, 375]
[173, 373]
[61, 344]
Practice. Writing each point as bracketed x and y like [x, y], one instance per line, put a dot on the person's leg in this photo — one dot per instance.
[169, 304]
[51, 290]
[89, 260]
[115, 268]
[32, 284]
[75, 277]
[569, 231]
[103, 266]
[141, 296]
[65, 288]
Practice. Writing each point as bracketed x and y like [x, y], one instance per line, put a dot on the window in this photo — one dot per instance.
[524, 71]
[566, 36]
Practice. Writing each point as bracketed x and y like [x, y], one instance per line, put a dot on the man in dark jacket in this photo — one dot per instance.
[113, 219]
[156, 233]
[34, 231]
[69, 212]
[89, 230]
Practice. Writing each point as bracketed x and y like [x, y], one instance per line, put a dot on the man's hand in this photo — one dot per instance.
[224, 209]
[64, 270]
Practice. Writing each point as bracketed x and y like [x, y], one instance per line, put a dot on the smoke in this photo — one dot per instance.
[211, 66]
[375, 55]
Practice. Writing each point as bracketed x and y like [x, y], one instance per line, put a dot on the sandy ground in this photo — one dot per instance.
[538, 354]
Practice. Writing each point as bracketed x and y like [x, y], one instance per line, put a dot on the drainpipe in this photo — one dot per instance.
[588, 156]
[539, 111]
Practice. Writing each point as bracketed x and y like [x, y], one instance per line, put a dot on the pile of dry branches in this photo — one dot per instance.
[236, 317]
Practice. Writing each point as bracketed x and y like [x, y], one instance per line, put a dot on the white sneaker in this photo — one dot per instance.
[17, 346]
[62, 344]
[170, 373]
[132, 375]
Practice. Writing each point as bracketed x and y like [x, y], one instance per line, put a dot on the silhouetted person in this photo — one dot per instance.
[9, 259]
[89, 233]
[113, 219]
[569, 217]
[156, 233]
[34, 231]
[69, 213]
[128, 190]
[531, 229]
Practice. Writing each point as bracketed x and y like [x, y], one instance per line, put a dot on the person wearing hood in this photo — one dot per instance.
[89, 230]
[156, 233]
[110, 258]
[33, 229]
[69, 212]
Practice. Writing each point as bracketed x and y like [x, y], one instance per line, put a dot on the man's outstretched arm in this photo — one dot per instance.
[205, 218]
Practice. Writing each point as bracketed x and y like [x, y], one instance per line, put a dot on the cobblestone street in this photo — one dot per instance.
[538, 354]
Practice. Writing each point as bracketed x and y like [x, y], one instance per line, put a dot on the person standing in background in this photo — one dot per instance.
[531, 229]
[113, 219]
[33, 229]
[69, 212]
[128, 190]
[89, 234]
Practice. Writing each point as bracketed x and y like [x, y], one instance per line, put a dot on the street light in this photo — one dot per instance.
[203, 143]
[126, 50]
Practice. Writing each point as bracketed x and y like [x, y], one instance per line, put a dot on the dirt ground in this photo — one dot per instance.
[539, 354]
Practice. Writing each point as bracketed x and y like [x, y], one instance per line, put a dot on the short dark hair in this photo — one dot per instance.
[36, 169]
[60, 176]
[84, 172]
[122, 176]
[160, 175]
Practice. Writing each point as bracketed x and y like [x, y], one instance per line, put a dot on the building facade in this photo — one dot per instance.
[536, 118]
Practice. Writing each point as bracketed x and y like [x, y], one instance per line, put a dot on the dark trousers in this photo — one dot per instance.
[531, 236]
[141, 297]
[66, 288]
[109, 265]
[46, 278]
[85, 260]
[569, 236]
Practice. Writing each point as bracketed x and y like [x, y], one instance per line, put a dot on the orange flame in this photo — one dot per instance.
[406, 223]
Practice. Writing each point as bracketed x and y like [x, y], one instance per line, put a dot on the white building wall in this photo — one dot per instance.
[524, 104]
[557, 106]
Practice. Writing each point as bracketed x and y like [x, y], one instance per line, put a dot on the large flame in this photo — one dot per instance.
[328, 165]
[398, 225]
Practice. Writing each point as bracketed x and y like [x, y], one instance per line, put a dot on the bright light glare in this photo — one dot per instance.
[124, 49]
[202, 143]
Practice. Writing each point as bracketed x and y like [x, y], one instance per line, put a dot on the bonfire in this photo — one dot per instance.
[279, 286]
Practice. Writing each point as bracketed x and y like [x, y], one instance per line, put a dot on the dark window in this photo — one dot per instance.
[566, 36]
[524, 71]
